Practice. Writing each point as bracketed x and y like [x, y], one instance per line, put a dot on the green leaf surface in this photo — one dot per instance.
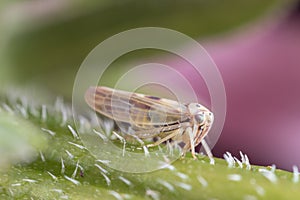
[20, 139]
[66, 170]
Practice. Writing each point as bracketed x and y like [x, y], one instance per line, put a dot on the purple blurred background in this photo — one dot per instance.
[260, 67]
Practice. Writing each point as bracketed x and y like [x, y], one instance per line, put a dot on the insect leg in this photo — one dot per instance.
[176, 132]
[208, 151]
[191, 133]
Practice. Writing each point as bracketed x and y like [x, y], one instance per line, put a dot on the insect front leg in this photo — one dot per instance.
[192, 132]
[208, 151]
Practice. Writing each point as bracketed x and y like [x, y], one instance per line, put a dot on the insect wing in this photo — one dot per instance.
[138, 110]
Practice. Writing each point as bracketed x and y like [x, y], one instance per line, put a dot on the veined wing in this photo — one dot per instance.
[142, 112]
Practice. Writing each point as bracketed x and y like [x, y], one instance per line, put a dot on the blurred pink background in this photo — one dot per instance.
[261, 72]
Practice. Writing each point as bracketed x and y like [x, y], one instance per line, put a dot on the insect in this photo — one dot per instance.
[149, 117]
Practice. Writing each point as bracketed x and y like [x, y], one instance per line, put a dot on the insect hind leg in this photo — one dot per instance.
[171, 135]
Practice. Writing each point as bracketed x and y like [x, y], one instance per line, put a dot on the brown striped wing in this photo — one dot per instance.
[139, 111]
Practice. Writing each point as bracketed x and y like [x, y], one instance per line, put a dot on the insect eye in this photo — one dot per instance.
[199, 118]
